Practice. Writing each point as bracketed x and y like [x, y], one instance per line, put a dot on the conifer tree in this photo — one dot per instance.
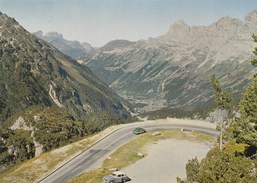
[223, 98]
[248, 106]
[244, 128]
[254, 61]
[223, 103]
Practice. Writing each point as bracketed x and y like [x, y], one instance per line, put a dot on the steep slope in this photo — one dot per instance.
[35, 73]
[74, 49]
[174, 70]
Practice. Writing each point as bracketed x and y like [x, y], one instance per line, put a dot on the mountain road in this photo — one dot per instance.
[93, 157]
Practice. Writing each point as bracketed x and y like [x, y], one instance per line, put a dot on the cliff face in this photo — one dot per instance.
[174, 70]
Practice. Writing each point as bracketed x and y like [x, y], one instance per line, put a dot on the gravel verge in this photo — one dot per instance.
[165, 161]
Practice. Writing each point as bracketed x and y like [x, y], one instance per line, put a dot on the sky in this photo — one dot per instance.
[100, 21]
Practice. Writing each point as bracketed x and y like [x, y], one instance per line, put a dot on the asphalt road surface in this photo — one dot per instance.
[93, 157]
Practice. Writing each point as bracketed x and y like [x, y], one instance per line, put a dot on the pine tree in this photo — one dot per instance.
[254, 61]
[244, 128]
[223, 103]
[223, 98]
[248, 106]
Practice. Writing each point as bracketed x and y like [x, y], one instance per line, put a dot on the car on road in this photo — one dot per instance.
[139, 130]
[116, 177]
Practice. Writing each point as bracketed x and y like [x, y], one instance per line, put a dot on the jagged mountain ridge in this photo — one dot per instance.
[173, 70]
[74, 49]
[35, 73]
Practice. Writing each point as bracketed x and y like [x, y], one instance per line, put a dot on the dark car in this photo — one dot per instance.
[139, 130]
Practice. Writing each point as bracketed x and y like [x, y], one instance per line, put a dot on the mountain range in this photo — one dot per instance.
[74, 49]
[173, 70]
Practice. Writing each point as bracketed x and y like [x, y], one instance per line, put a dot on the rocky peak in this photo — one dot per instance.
[178, 31]
[224, 29]
[181, 22]
[179, 26]
[74, 49]
[88, 48]
[5, 21]
[55, 35]
[251, 17]
[3, 17]
[228, 23]
[49, 36]
[39, 33]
